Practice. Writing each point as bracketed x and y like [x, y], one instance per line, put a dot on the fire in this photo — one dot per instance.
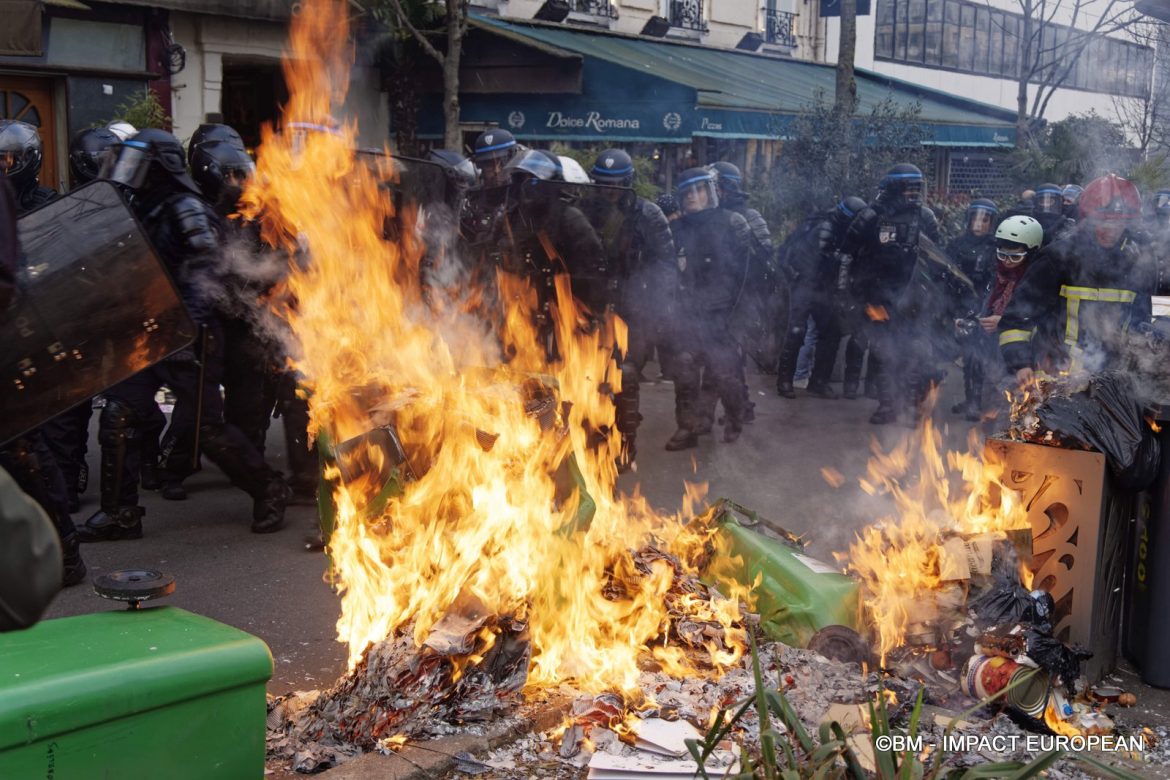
[876, 313]
[481, 515]
[936, 497]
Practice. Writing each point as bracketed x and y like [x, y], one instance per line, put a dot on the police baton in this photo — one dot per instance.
[200, 375]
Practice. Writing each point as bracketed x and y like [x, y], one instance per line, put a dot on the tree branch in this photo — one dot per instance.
[400, 12]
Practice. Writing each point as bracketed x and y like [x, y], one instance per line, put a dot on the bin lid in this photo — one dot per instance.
[65, 674]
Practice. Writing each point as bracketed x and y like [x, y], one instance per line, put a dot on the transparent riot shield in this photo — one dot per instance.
[94, 305]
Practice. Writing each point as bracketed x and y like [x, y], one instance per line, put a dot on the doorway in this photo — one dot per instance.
[253, 93]
[30, 100]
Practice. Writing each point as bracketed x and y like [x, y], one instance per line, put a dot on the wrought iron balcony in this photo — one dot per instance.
[687, 14]
[780, 27]
[594, 7]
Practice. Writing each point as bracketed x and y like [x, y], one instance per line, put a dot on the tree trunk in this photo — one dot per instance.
[845, 97]
[456, 26]
[1023, 71]
[402, 100]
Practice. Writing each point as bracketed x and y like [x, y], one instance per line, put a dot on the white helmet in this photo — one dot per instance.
[573, 172]
[122, 129]
[1020, 230]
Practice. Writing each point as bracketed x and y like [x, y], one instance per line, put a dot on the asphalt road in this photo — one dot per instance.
[272, 587]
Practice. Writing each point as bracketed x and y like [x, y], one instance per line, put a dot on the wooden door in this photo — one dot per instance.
[30, 100]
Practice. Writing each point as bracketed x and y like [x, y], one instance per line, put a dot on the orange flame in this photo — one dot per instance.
[483, 514]
[876, 313]
[898, 558]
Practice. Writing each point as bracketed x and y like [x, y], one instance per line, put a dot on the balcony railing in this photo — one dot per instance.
[780, 26]
[687, 14]
[594, 7]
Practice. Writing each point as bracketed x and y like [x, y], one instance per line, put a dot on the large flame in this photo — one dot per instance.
[482, 517]
[898, 558]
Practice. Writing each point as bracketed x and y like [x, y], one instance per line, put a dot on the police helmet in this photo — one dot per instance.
[903, 179]
[151, 158]
[20, 152]
[494, 144]
[1049, 199]
[212, 132]
[221, 169]
[846, 209]
[88, 150]
[613, 167]
[981, 214]
[691, 184]
[1161, 203]
[728, 177]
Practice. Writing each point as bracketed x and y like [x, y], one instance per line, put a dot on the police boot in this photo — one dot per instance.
[821, 391]
[113, 526]
[885, 414]
[785, 389]
[268, 507]
[683, 439]
[851, 390]
[73, 571]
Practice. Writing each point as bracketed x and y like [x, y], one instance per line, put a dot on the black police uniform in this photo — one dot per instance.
[187, 235]
[712, 247]
[812, 258]
[884, 238]
[975, 256]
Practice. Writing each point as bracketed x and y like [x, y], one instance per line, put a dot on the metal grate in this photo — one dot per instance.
[982, 175]
[779, 27]
[595, 7]
[687, 14]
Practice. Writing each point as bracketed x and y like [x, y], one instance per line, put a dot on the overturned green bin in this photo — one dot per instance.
[796, 596]
[157, 692]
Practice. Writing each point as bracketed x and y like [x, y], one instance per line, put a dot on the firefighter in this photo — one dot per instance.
[1088, 288]
[974, 253]
[646, 277]
[151, 167]
[883, 239]
[712, 254]
[812, 258]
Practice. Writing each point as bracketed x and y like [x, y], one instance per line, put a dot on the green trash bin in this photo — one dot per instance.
[157, 692]
[797, 595]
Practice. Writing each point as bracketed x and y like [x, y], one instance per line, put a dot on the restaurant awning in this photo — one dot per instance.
[635, 88]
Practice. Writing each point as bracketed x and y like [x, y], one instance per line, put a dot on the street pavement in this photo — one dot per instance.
[271, 586]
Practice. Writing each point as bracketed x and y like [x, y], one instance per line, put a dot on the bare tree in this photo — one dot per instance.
[845, 97]
[1051, 39]
[454, 28]
[1146, 119]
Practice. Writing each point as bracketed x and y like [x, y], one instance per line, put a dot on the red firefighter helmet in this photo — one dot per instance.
[1110, 197]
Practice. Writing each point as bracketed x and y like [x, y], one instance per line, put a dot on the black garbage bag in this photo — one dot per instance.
[1006, 603]
[1062, 661]
[1108, 417]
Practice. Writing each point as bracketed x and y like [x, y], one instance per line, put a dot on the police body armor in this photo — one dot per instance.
[65, 338]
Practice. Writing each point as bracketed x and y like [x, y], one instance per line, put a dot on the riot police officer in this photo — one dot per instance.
[645, 274]
[21, 154]
[811, 257]
[1049, 211]
[756, 315]
[540, 235]
[884, 239]
[151, 167]
[27, 458]
[87, 153]
[491, 153]
[712, 248]
[974, 253]
[1070, 197]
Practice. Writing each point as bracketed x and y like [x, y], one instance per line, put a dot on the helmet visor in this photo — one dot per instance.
[1162, 202]
[1048, 202]
[238, 174]
[128, 165]
[979, 221]
[697, 195]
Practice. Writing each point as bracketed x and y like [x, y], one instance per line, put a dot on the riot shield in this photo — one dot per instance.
[94, 305]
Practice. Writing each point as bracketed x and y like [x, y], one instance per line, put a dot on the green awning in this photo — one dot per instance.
[637, 88]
